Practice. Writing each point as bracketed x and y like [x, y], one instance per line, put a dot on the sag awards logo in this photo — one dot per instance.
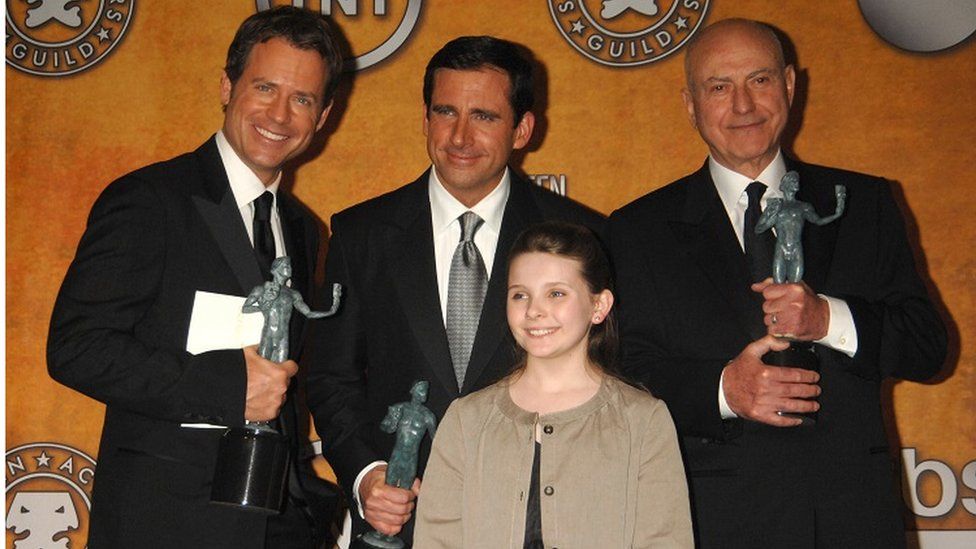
[48, 496]
[62, 37]
[622, 33]
[376, 29]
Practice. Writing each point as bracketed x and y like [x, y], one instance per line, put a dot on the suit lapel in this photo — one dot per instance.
[296, 243]
[702, 228]
[411, 247]
[298, 250]
[520, 212]
[219, 211]
[818, 241]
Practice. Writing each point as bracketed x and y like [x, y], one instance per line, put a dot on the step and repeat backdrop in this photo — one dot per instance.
[98, 88]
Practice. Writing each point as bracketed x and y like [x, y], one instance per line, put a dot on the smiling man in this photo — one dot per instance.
[698, 312]
[212, 221]
[424, 272]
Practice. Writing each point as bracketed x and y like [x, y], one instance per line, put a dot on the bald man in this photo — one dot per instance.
[696, 319]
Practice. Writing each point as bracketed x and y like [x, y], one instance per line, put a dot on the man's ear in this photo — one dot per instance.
[689, 101]
[226, 88]
[324, 116]
[789, 77]
[523, 131]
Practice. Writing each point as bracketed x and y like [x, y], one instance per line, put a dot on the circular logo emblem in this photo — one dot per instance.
[623, 33]
[62, 37]
[376, 29]
[48, 496]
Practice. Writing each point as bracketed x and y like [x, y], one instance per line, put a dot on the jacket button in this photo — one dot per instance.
[547, 429]
[548, 490]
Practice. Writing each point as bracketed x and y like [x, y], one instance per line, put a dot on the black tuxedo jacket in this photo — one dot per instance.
[686, 310]
[390, 330]
[119, 332]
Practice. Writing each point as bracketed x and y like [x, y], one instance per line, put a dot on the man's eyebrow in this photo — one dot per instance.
[441, 107]
[487, 112]
[269, 82]
[764, 70]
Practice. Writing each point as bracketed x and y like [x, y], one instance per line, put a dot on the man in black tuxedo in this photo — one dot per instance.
[407, 313]
[207, 221]
[696, 320]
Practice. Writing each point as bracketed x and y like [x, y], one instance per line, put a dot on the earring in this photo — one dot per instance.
[597, 318]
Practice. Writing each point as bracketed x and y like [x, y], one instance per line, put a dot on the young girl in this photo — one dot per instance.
[560, 453]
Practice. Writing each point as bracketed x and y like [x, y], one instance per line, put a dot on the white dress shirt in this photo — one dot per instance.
[731, 187]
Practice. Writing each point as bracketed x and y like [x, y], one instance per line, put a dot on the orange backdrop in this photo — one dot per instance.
[613, 134]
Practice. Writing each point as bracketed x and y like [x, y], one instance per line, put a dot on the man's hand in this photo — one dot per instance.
[793, 310]
[758, 392]
[386, 508]
[267, 385]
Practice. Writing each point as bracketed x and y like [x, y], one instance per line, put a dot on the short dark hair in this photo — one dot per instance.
[578, 243]
[303, 29]
[469, 53]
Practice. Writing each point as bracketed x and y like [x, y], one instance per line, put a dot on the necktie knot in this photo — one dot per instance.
[262, 206]
[755, 192]
[470, 223]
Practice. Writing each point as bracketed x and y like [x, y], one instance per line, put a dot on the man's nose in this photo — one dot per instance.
[742, 100]
[460, 133]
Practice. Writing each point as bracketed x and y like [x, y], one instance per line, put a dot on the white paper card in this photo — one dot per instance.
[218, 323]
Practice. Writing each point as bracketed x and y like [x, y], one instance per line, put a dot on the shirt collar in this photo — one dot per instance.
[445, 209]
[731, 184]
[245, 185]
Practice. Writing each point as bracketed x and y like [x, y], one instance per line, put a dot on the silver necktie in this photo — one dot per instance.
[466, 288]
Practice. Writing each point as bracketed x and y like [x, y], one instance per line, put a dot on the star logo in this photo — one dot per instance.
[578, 27]
[43, 460]
[681, 23]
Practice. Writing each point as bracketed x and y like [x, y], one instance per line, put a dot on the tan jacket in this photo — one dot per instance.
[610, 474]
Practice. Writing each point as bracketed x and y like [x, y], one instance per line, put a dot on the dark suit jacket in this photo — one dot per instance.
[390, 330]
[119, 332]
[686, 310]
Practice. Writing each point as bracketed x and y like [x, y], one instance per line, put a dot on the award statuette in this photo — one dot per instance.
[409, 420]
[787, 215]
[252, 461]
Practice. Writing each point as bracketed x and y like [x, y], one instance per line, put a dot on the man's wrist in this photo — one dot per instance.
[841, 333]
[359, 480]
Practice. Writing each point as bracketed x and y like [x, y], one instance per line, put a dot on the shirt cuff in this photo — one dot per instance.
[723, 405]
[358, 481]
[841, 332]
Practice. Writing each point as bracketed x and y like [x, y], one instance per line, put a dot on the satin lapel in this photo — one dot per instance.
[411, 249]
[296, 244]
[818, 241]
[520, 212]
[703, 230]
[220, 213]
[297, 249]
